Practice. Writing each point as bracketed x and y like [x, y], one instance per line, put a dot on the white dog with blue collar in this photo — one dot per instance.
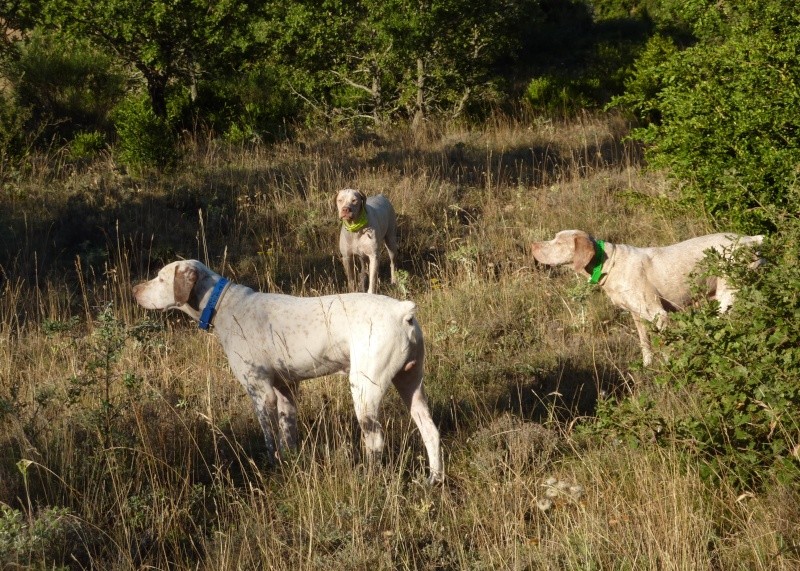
[273, 341]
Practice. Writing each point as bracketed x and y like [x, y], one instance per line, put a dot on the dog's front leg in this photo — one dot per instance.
[373, 273]
[363, 284]
[644, 340]
[349, 262]
[265, 401]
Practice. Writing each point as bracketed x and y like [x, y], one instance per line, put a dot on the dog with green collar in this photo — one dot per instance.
[647, 282]
[367, 225]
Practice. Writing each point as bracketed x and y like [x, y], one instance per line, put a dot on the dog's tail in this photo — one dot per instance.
[408, 312]
[413, 332]
[755, 240]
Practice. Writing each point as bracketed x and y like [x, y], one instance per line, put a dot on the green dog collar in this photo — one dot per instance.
[599, 253]
[359, 224]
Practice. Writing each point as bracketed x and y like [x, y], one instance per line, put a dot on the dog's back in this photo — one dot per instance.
[381, 216]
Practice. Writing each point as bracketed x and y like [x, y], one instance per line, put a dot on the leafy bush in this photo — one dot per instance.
[648, 80]
[37, 542]
[12, 129]
[740, 372]
[86, 145]
[69, 85]
[584, 61]
[143, 139]
[262, 100]
[726, 111]
[556, 95]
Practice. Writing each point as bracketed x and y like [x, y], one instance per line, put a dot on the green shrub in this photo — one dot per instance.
[264, 100]
[648, 80]
[86, 145]
[555, 95]
[143, 139]
[13, 137]
[596, 68]
[69, 85]
[726, 112]
[41, 541]
[739, 371]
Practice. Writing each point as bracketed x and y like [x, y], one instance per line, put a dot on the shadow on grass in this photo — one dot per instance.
[157, 220]
[562, 395]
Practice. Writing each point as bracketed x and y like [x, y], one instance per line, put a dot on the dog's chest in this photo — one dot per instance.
[361, 242]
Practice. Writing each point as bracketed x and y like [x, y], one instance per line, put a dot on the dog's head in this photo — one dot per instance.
[180, 285]
[568, 247]
[349, 203]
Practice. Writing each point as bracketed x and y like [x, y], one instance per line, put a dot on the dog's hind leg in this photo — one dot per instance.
[409, 384]
[391, 248]
[367, 395]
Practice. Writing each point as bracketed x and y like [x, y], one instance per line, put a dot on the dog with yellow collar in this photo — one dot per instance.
[367, 224]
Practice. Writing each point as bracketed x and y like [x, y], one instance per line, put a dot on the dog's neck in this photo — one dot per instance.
[602, 262]
[206, 317]
[358, 224]
[200, 299]
[595, 270]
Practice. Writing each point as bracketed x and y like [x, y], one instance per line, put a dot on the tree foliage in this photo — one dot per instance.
[69, 85]
[165, 41]
[725, 113]
[243, 68]
[378, 59]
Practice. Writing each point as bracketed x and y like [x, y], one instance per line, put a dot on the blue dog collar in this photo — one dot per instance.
[211, 307]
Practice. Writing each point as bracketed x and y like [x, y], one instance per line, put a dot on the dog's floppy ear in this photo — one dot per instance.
[584, 252]
[362, 196]
[183, 283]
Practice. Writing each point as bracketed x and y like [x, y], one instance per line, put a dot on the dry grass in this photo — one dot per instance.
[132, 422]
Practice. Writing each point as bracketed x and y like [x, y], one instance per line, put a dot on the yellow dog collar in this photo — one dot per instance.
[358, 224]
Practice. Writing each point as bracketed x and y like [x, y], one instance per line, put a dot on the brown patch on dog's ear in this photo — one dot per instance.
[183, 283]
[584, 253]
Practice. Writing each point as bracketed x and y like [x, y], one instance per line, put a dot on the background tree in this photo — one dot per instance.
[416, 56]
[16, 16]
[165, 41]
[466, 49]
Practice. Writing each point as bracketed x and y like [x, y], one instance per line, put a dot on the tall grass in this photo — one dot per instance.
[125, 442]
